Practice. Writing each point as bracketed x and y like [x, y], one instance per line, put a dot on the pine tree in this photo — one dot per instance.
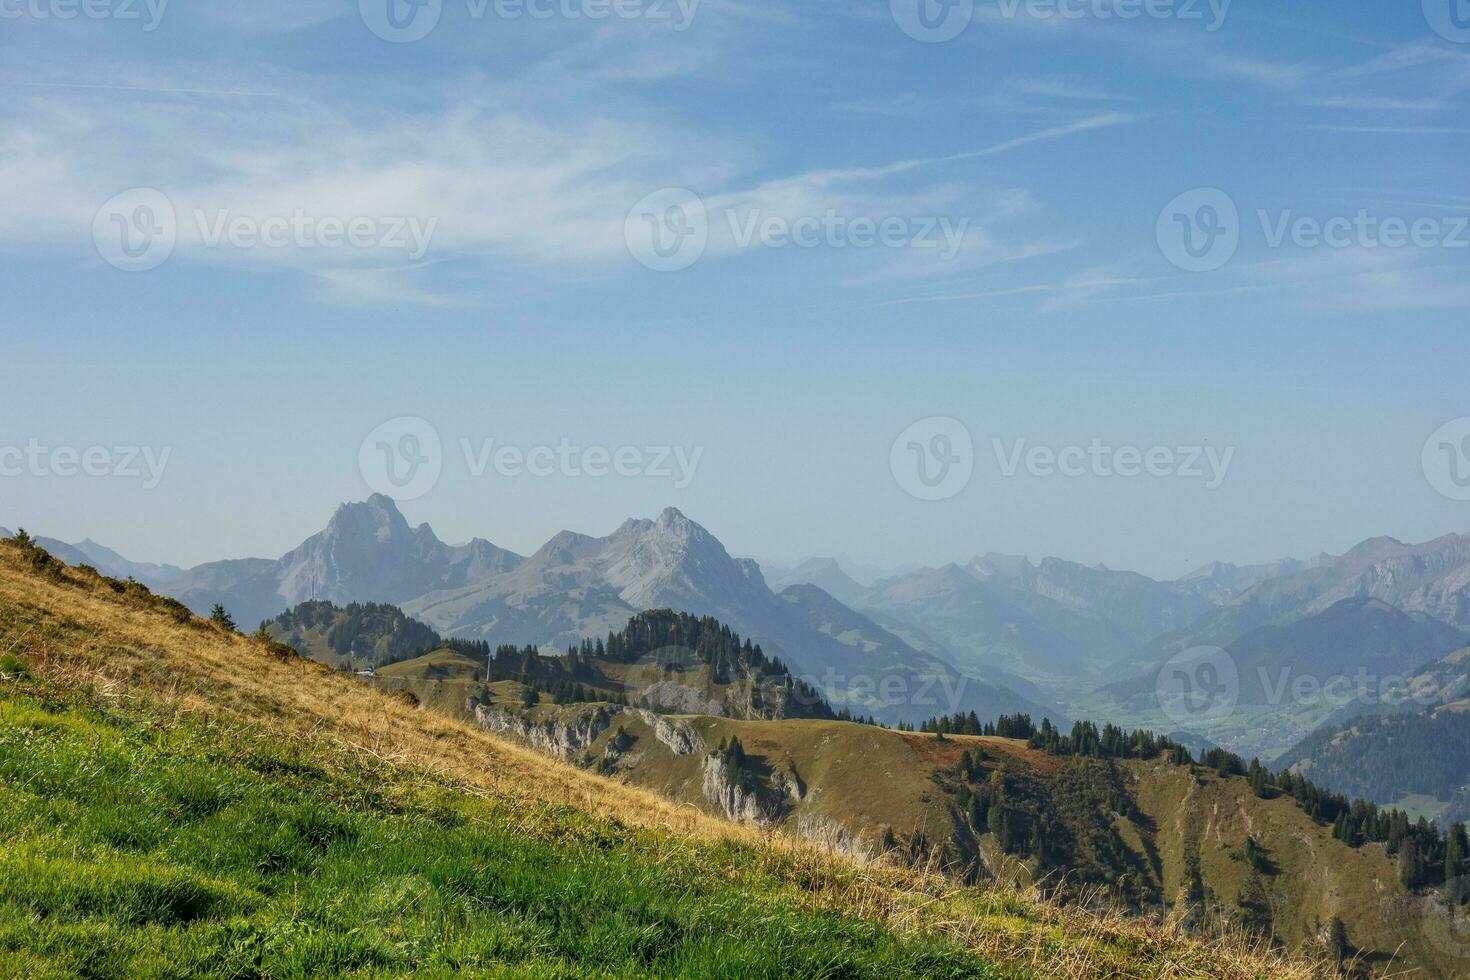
[1255, 905]
[220, 617]
[1259, 779]
[1337, 940]
[1411, 867]
[1456, 852]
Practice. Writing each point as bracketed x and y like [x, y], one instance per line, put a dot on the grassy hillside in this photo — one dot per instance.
[1171, 838]
[1152, 829]
[182, 801]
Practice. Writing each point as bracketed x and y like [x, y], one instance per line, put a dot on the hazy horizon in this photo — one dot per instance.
[416, 516]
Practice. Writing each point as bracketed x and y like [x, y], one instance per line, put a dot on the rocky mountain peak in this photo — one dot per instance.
[378, 517]
[1375, 549]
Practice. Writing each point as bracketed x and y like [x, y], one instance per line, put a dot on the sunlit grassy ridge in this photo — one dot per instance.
[135, 848]
[178, 801]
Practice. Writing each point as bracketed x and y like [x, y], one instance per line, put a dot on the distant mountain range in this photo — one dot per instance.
[577, 586]
[825, 573]
[1431, 578]
[1219, 582]
[1357, 640]
[1027, 634]
[1059, 624]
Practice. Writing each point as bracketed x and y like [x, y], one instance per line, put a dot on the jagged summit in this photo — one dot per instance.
[367, 552]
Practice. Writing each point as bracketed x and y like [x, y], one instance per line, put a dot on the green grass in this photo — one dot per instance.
[167, 846]
[1418, 805]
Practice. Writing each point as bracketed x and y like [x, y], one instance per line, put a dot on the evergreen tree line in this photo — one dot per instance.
[1394, 756]
[1006, 726]
[372, 631]
[1427, 856]
[561, 691]
[1067, 820]
[682, 639]
[661, 638]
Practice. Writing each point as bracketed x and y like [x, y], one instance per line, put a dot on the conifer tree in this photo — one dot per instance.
[220, 617]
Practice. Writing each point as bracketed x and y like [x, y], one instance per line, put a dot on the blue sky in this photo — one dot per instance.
[1061, 146]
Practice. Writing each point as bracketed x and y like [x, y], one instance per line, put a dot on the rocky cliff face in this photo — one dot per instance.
[740, 803]
[1433, 578]
[679, 736]
[832, 836]
[565, 737]
[679, 699]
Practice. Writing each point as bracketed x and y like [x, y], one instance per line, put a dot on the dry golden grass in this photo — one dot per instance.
[72, 627]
